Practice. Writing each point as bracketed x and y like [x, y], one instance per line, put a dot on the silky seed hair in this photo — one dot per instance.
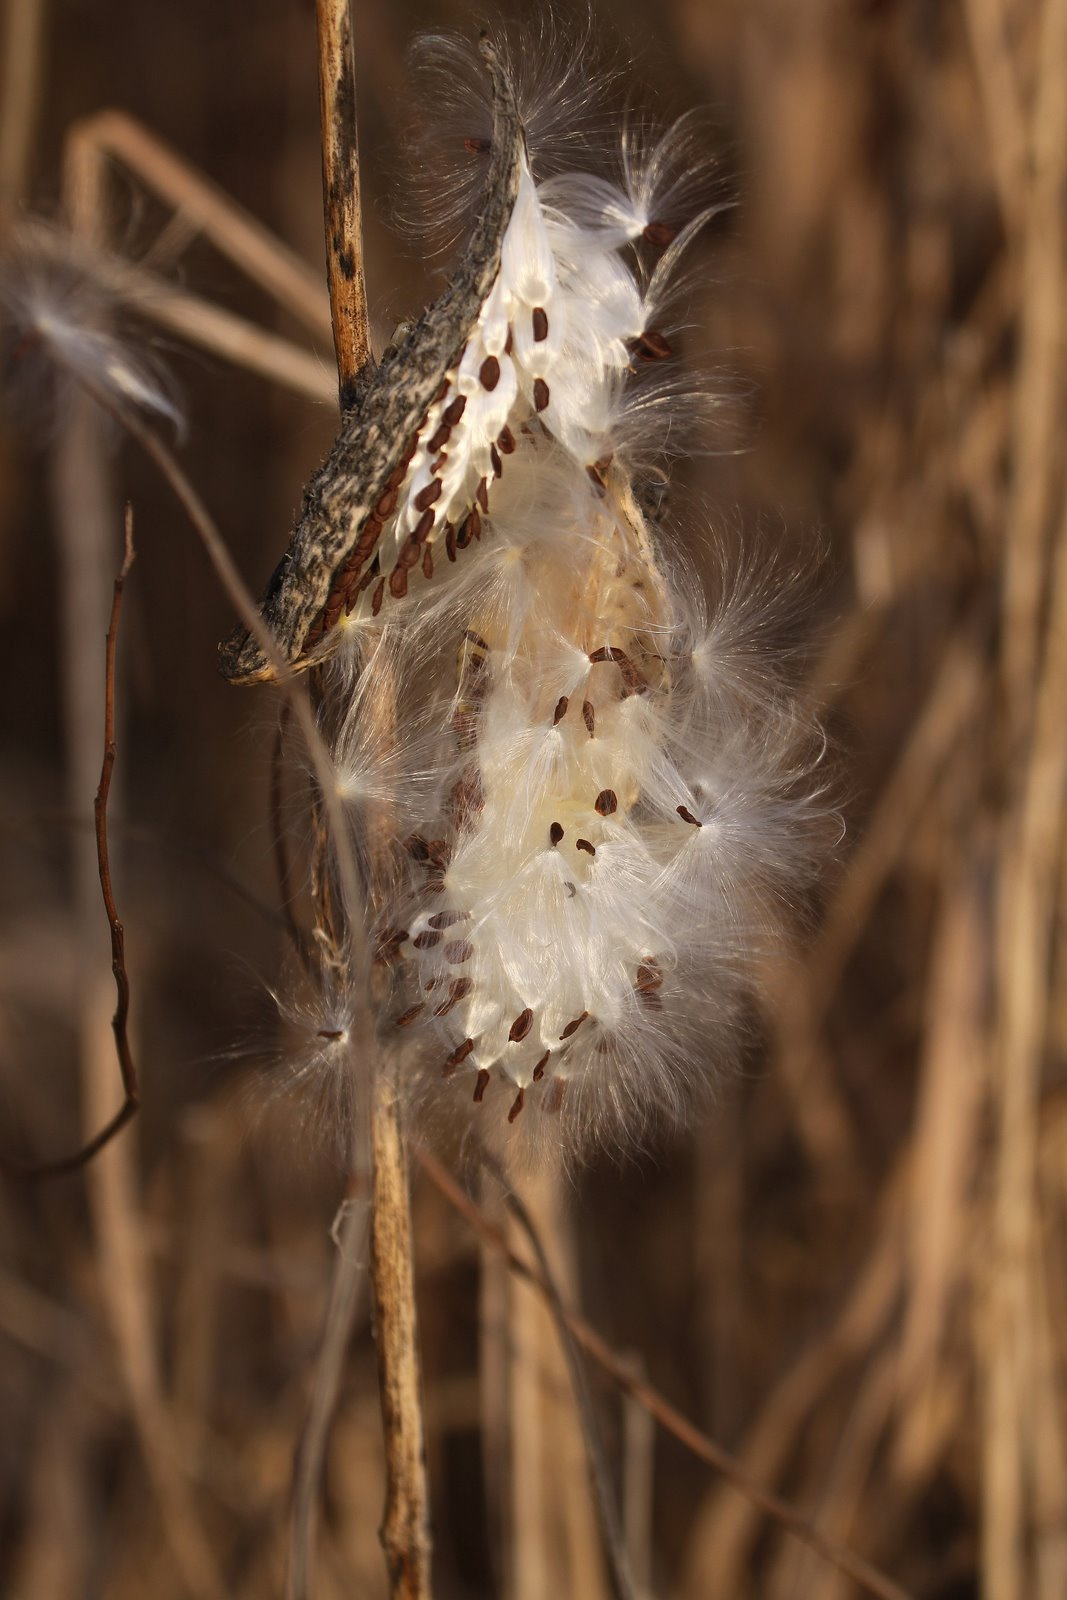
[601, 797]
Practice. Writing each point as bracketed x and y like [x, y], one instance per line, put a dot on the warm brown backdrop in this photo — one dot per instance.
[852, 1273]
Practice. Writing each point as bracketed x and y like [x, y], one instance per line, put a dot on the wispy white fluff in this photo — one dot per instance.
[603, 793]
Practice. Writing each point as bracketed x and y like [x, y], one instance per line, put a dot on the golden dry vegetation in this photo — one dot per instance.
[852, 1273]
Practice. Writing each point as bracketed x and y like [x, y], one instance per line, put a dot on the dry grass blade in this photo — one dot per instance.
[622, 1374]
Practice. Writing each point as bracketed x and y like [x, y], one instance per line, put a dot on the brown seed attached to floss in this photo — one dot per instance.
[489, 373]
[450, 541]
[520, 1101]
[572, 1027]
[541, 394]
[606, 802]
[379, 596]
[659, 234]
[439, 439]
[458, 1056]
[539, 1070]
[555, 832]
[398, 583]
[386, 505]
[583, 844]
[426, 496]
[481, 1085]
[439, 852]
[448, 919]
[652, 346]
[589, 717]
[408, 1016]
[561, 710]
[687, 816]
[456, 951]
[464, 533]
[521, 1026]
[476, 525]
[494, 457]
[426, 941]
[427, 562]
[482, 494]
[458, 990]
[539, 321]
[596, 479]
[506, 441]
[454, 410]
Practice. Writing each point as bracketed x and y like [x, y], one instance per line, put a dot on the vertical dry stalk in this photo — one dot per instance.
[405, 1527]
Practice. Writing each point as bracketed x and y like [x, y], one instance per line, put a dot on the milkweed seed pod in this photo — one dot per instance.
[597, 789]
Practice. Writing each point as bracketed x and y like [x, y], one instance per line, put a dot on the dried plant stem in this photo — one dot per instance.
[622, 1373]
[405, 1530]
[341, 193]
[405, 1527]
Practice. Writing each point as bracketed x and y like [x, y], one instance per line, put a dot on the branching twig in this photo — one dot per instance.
[127, 1067]
[622, 1374]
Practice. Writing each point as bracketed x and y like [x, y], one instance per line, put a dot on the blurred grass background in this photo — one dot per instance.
[853, 1273]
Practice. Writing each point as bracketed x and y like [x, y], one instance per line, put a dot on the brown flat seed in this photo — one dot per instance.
[539, 319]
[410, 551]
[555, 833]
[422, 527]
[458, 990]
[450, 541]
[649, 976]
[520, 1101]
[475, 527]
[386, 505]
[426, 941]
[439, 439]
[428, 495]
[459, 1055]
[427, 562]
[439, 852]
[572, 1027]
[454, 410]
[606, 802]
[463, 534]
[409, 1015]
[539, 1070]
[561, 710]
[489, 373]
[456, 951]
[482, 495]
[509, 342]
[417, 848]
[506, 441]
[687, 816]
[448, 919]
[481, 1084]
[589, 716]
[494, 456]
[659, 234]
[521, 1026]
[377, 598]
[541, 394]
[398, 584]
[653, 346]
[583, 844]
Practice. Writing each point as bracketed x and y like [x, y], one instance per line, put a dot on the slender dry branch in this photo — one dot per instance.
[119, 1023]
[679, 1426]
[342, 209]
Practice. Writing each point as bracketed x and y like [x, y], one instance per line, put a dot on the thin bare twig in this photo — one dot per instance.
[621, 1373]
[127, 1067]
[342, 209]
